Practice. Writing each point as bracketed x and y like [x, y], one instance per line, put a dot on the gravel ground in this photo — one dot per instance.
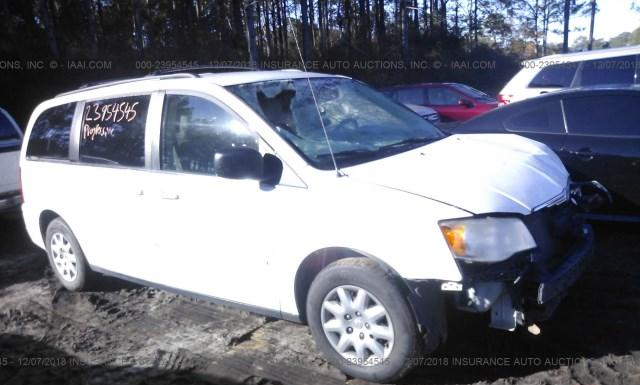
[128, 334]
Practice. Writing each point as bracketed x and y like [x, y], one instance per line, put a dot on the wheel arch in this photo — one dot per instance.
[46, 217]
[315, 262]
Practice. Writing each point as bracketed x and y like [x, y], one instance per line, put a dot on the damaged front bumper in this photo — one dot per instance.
[528, 287]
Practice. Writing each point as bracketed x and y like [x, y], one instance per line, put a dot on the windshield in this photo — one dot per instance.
[362, 124]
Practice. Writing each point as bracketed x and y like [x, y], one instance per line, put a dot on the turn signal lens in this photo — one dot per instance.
[455, 239]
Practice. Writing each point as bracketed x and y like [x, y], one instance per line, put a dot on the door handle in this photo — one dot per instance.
[170, 195]
[583, 154]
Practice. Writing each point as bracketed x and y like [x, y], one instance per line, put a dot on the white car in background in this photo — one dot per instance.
[10, 141]
[427, 113]
[303, 196]
[613, 66]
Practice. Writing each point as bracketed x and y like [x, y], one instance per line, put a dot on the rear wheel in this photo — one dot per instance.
[66, 257]
[361, 321]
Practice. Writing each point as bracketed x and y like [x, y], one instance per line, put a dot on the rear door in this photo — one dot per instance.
[106, 182]
[540, 120]
[603, 144]
[447, 102]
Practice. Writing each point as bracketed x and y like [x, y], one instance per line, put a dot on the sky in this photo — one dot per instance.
[614, 17]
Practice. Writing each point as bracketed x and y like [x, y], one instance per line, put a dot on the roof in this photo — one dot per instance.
[233, 78]
[595, 54]
[222, 79]
[422, 85]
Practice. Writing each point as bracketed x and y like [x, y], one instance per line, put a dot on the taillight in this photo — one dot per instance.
[504, 99]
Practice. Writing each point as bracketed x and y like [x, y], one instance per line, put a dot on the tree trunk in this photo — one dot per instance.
[443, 17]
[565, 34]
[90, 19]
[312, 18]
[251, 34]
[137, 26]
[380, 26]
[304, 9]
[321, 26]
[593, 22]
[404, 32]
[45, 16]
[475, 23]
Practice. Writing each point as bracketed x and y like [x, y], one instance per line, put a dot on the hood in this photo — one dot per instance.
[479, 173]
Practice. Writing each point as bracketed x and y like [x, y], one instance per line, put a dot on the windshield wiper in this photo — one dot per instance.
[409, 142]
[349, 153]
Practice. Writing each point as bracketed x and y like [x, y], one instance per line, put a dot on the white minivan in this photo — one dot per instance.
[303, 196]
[604, 67]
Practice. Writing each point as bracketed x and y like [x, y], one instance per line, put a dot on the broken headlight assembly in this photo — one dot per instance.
[486, 239]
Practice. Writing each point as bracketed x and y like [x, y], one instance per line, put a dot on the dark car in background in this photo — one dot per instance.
[10, 141]
[452, 101]
[595, 132]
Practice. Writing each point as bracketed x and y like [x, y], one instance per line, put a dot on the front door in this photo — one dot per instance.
[211, 233]
[603, 144]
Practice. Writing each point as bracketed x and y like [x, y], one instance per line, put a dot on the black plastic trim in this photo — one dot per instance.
[216, 300]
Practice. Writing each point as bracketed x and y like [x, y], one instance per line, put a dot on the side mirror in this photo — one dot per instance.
[238, 163]
[247, 163]
[465, 102]
[272, 170]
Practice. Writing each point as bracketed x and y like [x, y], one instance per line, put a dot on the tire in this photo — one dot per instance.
[66, 257]
[381, 356]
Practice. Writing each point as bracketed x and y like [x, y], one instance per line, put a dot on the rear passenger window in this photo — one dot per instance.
[112, 131]
[194, 129]
[617, 70]
[50, 133]
[555, 76]
[411, 96]
[440, 96]
[610, 115]
[534, 119]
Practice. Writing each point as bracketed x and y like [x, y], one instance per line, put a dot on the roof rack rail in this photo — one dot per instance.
[95, 85]
[195, 70]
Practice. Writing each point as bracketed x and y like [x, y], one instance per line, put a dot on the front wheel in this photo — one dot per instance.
[361, 321]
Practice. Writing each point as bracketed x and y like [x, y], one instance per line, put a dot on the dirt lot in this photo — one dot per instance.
[128, 334]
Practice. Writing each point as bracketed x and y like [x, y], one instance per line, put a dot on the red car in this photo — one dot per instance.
[452, 101]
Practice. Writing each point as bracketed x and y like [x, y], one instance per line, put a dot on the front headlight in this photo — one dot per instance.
[487, 239]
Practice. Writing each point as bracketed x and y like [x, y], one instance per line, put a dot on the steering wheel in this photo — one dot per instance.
[349, 124]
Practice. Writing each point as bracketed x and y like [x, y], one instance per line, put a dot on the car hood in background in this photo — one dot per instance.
[480, 173]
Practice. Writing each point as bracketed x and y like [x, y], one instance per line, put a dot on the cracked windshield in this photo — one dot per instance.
[362, 125]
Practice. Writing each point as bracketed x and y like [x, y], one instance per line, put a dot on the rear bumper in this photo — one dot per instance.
[10, 201]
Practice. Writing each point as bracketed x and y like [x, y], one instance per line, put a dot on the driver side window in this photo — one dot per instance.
[440, 96]
[194, 129]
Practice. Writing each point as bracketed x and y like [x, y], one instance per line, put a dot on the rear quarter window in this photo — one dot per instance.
[555, 76]
[608, 115]
[113, 131]
[50, 133]
[616, 70]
